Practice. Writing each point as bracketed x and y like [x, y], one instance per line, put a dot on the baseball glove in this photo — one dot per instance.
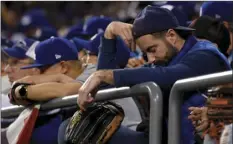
[219, 111]
[220, 105]
[96, 125]
[18, 101]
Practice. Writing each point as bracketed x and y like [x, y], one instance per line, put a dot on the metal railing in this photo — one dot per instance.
[175, 100]
[146, 89]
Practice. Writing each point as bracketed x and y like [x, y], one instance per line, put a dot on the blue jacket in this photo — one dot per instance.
[195, 58]
[230, 59]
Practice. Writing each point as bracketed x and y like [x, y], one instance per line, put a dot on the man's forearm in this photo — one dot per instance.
[107, 54]
[54, 78]
[47, 91]
[106, 76]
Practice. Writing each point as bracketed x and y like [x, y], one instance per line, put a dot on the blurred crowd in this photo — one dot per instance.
[62, 15]
[52, 44]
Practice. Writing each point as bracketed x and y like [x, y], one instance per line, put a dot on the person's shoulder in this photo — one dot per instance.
[206, 49]
[205, 59]
[88, 70]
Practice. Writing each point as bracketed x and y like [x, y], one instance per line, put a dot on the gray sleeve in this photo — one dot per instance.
[86, 73]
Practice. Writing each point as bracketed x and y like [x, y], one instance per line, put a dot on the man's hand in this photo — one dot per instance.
[135, 62]
[38, 79]
[89, 88]
[123, 30]
[199, 118]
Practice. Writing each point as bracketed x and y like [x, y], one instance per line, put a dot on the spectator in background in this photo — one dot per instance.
[92, 26]
[221, 10]
[74, 31]
[44, 33]
[213, 30]
[190, 8]
[17, 58]
[180, 15]
[4, 59]
[184, 57]
[31, 20]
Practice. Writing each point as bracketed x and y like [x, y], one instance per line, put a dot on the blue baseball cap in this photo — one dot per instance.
[180, 15]
[19, 49]
[154, 19]
[45, 33]
[6, 43]
[122, 54]
[222, 10]
[91, 45]
[52, 51]
[74, 31]
[189, 8]
[34, 18]
[95, 25]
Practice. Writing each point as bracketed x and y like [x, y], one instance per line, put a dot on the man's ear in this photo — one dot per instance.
[64, 67]
[171, 37]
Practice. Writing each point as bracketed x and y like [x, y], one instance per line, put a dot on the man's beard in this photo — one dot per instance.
[170, 54]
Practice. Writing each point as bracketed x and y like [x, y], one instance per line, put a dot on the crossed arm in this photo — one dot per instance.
[47, 91]
[46, 87]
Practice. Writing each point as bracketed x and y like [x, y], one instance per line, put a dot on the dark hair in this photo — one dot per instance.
[183, 34]
[219, 34]
[213, 30]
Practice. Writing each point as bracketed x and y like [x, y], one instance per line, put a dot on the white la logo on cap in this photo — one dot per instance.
[57, 56]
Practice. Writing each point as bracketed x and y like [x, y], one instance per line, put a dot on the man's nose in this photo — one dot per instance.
[151, 58]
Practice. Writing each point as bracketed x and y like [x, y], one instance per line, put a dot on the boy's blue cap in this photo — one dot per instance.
[180, 15]
[52, 51]
[33, 19]
[122, 54]
[222, 10]
[91, 45]
[74, 31]
[19, 49]
[95, 25]
[154, 19]
[45, 33]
